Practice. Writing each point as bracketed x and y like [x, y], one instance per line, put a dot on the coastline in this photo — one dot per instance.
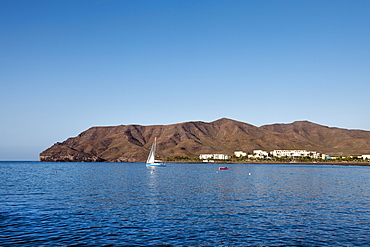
[278, 162]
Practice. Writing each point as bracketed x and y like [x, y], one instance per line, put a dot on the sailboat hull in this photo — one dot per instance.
[157, 165]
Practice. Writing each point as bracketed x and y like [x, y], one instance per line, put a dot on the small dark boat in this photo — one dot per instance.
[223, 168]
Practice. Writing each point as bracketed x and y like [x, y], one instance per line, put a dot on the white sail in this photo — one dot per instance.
[152, 153]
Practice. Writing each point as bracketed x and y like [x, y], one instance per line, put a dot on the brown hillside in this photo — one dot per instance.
[131, 143]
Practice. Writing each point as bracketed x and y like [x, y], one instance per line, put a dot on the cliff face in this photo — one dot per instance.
[131, 143]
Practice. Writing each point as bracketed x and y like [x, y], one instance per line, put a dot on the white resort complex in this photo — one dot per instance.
[295, 154]
[214, 157]
[261, 154]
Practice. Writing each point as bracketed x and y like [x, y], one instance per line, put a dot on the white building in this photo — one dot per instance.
[206, 156]
[240, 154]
[214, 156]
[259, 154]
[366, 156]
[295, 154]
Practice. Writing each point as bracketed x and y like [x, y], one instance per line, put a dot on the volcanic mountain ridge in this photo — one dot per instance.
[131, 143]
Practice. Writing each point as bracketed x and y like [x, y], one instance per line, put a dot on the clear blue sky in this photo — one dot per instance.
[66, 66]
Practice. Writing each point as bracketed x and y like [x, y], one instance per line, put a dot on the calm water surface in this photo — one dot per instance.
[63, 204]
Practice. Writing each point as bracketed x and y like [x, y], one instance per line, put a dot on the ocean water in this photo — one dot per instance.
[120, 204]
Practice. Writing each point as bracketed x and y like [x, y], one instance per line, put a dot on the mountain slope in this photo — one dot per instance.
[131, 143]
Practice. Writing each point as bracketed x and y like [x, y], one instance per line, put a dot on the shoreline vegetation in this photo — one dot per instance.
[348, 161]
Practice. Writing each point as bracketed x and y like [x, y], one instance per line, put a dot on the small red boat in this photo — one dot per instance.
[223, 168]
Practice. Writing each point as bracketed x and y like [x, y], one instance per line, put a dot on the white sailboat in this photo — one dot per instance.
[151, 159]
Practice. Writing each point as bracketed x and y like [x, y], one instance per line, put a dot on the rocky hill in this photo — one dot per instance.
[131, 143]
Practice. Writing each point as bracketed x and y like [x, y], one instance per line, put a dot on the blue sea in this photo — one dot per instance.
[129, 204]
